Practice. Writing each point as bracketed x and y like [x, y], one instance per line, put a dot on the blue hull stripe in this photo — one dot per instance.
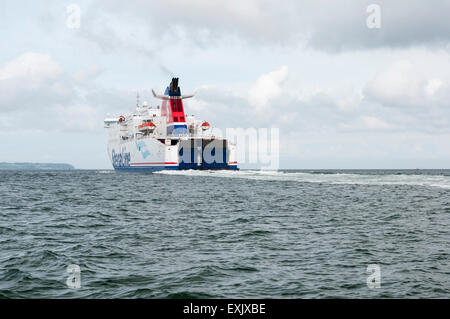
[142, 169]
[145, 168]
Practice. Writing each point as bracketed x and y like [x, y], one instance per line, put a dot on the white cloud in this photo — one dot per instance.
[90, 73]
[33, 68]
[77, 118]
[267, 87]
[332, 105]
[366, 123]
[35, 89]
[432, 86]
[32, 81]
[274, 99]
[331, 26]
[398, 85]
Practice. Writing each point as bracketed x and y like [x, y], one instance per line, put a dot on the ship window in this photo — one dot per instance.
[175, 118]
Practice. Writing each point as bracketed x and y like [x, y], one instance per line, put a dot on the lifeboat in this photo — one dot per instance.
[205, 126]
[147, 126]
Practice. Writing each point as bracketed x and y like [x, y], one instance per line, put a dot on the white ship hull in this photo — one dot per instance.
[150, 154]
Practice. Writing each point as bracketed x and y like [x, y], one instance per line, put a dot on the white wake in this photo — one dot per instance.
[335, 178]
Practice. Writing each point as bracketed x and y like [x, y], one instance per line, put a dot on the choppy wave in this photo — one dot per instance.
[216, 234]
[105, 171]
[325, 178]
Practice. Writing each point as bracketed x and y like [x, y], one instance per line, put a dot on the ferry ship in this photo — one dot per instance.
[164, 138]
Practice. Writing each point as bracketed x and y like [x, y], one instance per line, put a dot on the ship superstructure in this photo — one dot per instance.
[163, 137]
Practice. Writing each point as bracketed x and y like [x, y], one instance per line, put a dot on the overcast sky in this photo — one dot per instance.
[342, 94]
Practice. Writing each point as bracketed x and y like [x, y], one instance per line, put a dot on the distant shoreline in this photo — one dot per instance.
[35, 166]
